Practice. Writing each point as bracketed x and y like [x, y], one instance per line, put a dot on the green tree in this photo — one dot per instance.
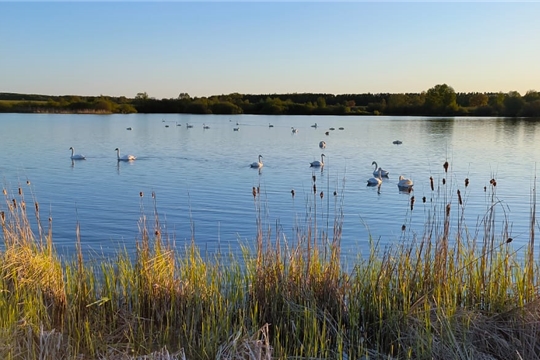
[441, 99]
[513, 103]
[141, 96]
[478, 99]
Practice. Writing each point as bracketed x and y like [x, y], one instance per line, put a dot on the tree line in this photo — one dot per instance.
[440, 100]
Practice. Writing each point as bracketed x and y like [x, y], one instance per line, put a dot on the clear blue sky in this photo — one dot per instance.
[213, 48]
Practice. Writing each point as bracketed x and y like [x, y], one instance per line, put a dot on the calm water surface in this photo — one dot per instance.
[203, 183]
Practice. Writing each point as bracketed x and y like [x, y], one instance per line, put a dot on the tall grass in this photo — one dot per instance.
[449, 293]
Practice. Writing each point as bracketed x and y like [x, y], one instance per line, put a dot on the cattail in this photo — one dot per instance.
[322, 195]
[466, 182]
[443, 181]
[5, 192]
[493, 182]
[447, 210]
[153, 195]
[27, 182]
[258, 189]
[314, 178]
[335, 193]
[431, 182]
[403, 227]
[14, 203]
[509, 240]
[141, 194]
[459, 197]
[3, 216]
[424, 199]
[20, 191]
[23, 205]
[36, 205]
[254, 191]
[485, 188]
[292, 192]
[412, 202]
[445, 166]
[157, 232]
[314, 188]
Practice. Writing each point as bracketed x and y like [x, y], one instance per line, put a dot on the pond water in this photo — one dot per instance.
[203, 182]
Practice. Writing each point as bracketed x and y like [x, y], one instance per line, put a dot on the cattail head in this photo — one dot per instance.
[466, 182]
[254, 191]
[314, 178]
[447, 210]
[258, 189]
[403, 227]
[292, 192]
[14, 203]
[412, 202]
[445, 166]
[36, 205]
[322, 194]
[459, 197]
[424, 199]
[153, 195]
[335, 193]
[431, 183]
[20, 191]
[2, 216]
[443, 181]
[27, 182]
[485, 188]
[314, 188]
[509, 240]
[141, 194]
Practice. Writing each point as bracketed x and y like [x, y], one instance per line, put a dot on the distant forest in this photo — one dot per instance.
[440, 100]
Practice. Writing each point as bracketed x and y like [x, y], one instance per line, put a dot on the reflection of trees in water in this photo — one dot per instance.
[520, 130]
[443, 127]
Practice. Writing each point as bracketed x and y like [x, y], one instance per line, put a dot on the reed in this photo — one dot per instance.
[452, 292]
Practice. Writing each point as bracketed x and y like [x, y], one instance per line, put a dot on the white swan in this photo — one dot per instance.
[189, 126]
[294, 130]
[377, 169]
[76, 156]
[318, 163]
[236, 129]
[322, 144]
[125, 157]
[404, 183]
[270, 125]
[397, 142]
[257, 164]
[205, 126]
[314, 125]
[374, 181]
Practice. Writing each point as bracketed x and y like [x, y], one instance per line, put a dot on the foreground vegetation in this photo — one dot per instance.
[440, 100]
[450, 293]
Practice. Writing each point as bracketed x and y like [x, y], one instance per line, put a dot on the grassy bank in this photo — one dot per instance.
[445, 294]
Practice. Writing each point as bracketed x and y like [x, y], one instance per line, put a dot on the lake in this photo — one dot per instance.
[203, 182]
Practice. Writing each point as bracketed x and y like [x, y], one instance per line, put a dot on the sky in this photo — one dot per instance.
[164, 48]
